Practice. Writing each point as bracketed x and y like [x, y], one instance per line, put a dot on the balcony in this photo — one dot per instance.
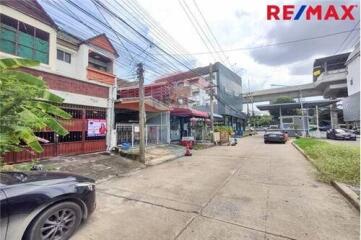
[100, 76]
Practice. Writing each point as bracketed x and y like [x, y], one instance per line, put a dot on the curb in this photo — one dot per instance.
[347, 193]
[165, 160]
[340, 187]
[305, 155]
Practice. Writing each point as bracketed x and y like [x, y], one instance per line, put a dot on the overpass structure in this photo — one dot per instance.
[330, 84]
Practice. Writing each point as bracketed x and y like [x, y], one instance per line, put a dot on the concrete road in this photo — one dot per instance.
[250, 191]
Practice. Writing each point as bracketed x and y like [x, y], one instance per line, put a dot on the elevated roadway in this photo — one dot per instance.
[331, 84]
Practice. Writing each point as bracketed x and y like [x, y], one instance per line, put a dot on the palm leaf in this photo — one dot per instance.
[27, 135]
[7, 63]
[56, 127]
[54, 110]
[51, 97]
[24, 77]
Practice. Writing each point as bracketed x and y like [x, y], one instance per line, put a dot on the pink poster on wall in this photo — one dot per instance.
[97, 127]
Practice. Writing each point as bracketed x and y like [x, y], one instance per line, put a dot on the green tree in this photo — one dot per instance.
[260, 121]
[26, 106]
[285, 112]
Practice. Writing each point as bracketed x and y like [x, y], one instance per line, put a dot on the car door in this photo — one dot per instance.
[4, 218]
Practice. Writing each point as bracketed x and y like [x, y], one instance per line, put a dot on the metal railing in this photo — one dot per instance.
[129, 133]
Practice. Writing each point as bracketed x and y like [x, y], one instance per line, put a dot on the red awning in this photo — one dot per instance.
[188, 112]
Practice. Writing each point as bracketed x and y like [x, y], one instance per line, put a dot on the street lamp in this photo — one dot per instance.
[301, 103]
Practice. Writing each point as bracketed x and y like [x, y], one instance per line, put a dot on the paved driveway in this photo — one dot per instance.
[250, 191]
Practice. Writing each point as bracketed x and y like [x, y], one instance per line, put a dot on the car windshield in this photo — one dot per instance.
[340, 131]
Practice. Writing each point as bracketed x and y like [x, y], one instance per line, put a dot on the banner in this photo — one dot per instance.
[97, 127]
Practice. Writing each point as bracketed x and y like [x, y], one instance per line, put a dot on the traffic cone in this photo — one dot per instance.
[188, 152]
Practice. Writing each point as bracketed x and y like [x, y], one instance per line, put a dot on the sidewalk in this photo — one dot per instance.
[157, 154]
[99, 166]
[103, 166]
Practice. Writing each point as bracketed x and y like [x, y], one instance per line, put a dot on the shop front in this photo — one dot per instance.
[188, 122]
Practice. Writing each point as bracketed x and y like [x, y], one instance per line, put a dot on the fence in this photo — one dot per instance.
[129, 133]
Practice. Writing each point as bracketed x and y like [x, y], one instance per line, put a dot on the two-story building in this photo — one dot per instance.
[227, 87]
[79, 70]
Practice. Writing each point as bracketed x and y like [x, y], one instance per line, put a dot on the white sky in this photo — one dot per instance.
[242, 23]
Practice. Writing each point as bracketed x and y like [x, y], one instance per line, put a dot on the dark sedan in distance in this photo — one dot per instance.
[340, 134]
[278, 137]
[40, 205]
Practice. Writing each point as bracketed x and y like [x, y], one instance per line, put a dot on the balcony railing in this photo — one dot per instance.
[100, 76]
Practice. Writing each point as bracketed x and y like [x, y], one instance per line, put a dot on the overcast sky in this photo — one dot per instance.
[243, 24]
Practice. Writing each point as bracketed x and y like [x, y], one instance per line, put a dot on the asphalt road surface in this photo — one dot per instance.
[250, 191]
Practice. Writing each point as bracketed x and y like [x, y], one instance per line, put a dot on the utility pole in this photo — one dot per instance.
[211, 93]
[140, 72]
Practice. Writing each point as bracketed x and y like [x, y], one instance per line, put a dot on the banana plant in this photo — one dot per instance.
[26, 106]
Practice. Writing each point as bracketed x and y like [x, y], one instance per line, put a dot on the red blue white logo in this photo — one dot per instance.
[311, 12]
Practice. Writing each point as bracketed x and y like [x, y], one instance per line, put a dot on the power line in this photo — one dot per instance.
[348, 35]
[158, 30]
[211, 32]
[196, 26]
[142, 36]
[136, 46]
[279, 43]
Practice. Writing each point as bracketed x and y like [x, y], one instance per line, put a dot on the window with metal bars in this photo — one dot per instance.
[95, 114]
[93, 137]
[71, 137]
[75, 113]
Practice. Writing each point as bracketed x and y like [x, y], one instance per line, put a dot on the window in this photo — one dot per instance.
[63, 56]
[71, 137]
[95, 114]
[23, 40]
[75, 113]
[99, 62]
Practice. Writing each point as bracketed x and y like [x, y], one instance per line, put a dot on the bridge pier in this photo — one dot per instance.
[333, 115]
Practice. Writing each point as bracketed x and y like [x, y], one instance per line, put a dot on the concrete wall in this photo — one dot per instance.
[79, 62]
[351, 108]
[353, 76]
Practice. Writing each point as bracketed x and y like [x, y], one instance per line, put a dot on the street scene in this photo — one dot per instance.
[224, 192]
[180, 119]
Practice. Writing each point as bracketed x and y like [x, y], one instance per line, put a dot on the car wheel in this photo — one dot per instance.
[265, 141]
[57, 222]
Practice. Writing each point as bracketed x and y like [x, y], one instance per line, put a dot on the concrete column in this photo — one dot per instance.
[281, 120]
[334, 115]
[168, 126]
[318, 133]
[111, 132]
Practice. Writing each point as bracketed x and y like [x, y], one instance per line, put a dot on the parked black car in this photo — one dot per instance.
[340, 134]
[279, 137]
[43, 205]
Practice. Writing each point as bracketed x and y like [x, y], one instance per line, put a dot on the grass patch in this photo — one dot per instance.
[337, 162]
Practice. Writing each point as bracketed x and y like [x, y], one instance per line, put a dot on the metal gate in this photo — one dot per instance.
[129, 133]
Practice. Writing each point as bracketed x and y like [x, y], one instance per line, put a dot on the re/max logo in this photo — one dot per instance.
[319, 12]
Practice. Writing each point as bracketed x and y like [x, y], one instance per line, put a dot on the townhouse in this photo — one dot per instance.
[79, 70]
